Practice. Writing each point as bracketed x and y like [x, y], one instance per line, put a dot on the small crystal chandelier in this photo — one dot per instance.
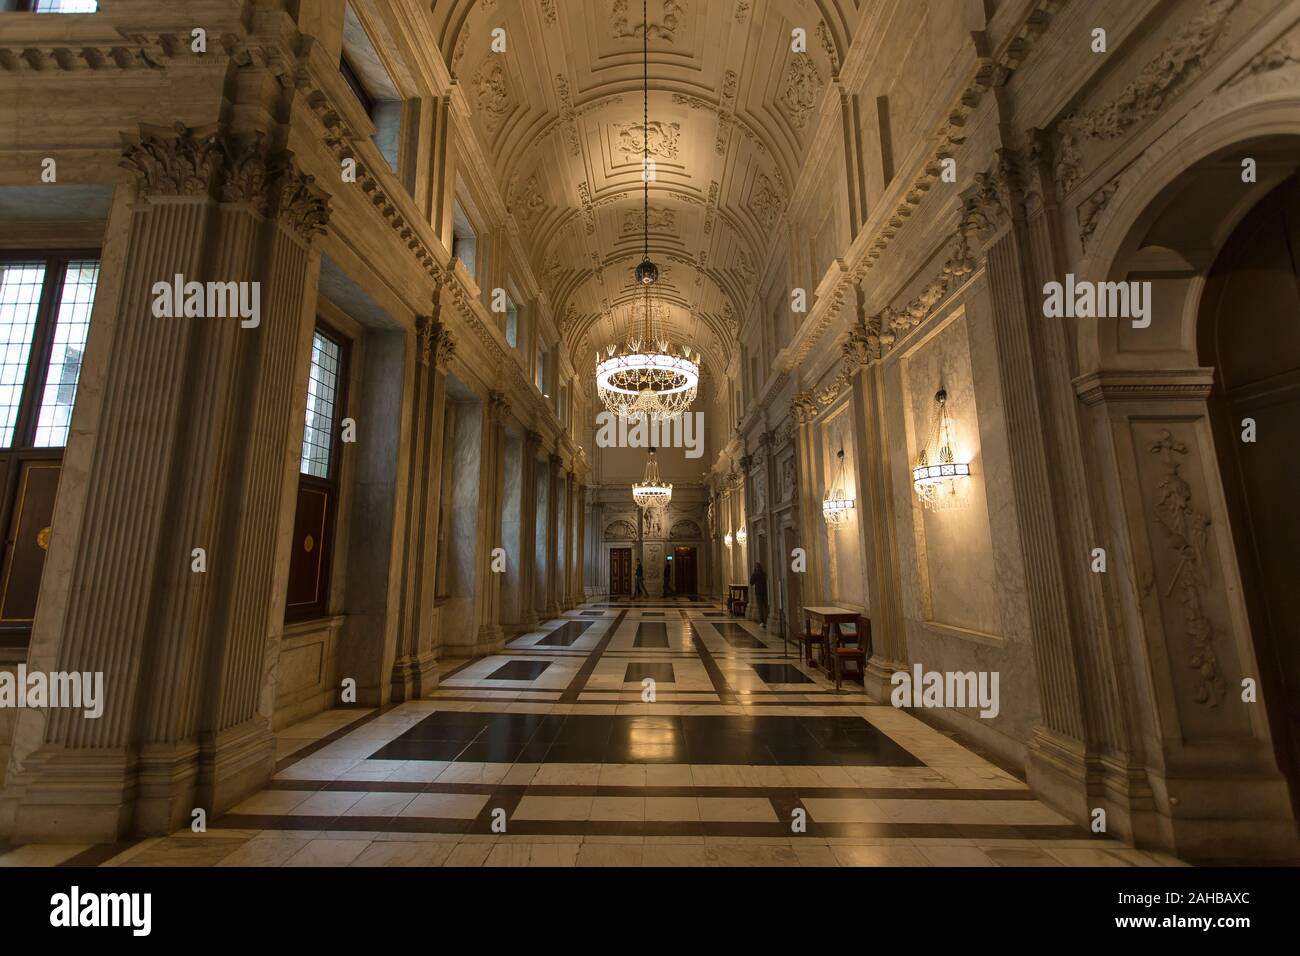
[652, 492]
[647, 376]
[741, 535]
[726, 539]
[836, 506]
[940, 476]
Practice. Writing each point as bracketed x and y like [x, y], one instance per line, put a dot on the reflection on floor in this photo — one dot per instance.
[620, 735]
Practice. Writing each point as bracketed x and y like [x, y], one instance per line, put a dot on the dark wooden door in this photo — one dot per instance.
[620, 570]
[684, 575]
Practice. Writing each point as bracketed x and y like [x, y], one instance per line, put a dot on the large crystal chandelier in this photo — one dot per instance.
[652, 492]
[647, 376]
[940, 477]
[837, 506]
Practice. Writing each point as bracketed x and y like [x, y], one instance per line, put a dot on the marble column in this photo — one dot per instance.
[876, 512]
[491, 637]
[414, 666]
[554, 574]
[584, 507]
[528, 532]
[183, 431]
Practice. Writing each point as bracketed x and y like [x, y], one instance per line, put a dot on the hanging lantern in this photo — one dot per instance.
[941, 475]
[837, 506]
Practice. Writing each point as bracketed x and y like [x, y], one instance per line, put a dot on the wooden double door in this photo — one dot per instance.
[620, 571]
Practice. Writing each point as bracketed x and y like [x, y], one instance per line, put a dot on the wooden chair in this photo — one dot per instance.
[857, 653]
[810, 639]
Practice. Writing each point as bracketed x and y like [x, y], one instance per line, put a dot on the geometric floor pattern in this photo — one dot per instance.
[660, 733]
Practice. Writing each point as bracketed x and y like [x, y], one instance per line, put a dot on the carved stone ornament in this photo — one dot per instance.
[1181, 59]
[1187, 534]
[179, 162]
[298, 203]
[498, 406]
[620, 530]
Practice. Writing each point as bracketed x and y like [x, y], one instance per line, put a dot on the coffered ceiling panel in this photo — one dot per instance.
[732, 110]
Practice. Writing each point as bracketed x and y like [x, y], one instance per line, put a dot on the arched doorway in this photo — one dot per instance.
[1179, 222]
[1249, 331]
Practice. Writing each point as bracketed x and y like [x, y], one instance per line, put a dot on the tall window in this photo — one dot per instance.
[464, 242]
[45, 305]
[58, 6]
[512, 322]
[313, 527]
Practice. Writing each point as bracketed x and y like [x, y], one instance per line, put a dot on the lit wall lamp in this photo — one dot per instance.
[836, 506]
[726, 539]
[941, 475]
[741, 535]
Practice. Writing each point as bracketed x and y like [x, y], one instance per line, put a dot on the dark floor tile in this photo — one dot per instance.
[492, 751]
[519, 670]
[651, 634]
[420, 750]
[659, 673]
[590, 751]
[781, 674]
[564, 635]
[448, 725]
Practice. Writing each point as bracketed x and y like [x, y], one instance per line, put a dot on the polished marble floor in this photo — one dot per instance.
[655, 733]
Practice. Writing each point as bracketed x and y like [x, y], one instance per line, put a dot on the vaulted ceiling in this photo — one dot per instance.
[732, 110]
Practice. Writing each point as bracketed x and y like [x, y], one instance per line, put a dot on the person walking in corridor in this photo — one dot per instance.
[640, 590]
[758, 587]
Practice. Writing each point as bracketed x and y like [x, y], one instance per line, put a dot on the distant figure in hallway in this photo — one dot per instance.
[758, 586]
[640, 582]
[668, 578]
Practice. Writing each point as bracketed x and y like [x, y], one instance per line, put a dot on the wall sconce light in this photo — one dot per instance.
[726, 539]
[836, 506]
[741, 535]
[940, 475]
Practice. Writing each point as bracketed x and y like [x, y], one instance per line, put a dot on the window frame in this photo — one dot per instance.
[21, 450]
[330, 485]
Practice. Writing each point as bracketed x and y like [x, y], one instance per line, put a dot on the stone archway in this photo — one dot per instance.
[1177, 582]
[1249, 332]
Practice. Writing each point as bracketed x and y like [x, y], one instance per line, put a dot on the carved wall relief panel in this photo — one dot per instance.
[1185, 583]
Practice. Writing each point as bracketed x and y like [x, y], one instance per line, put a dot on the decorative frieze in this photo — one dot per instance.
[1163, 76]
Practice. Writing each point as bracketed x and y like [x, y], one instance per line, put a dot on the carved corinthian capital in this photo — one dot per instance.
[179, 161]
[436, 343]
[298, 203]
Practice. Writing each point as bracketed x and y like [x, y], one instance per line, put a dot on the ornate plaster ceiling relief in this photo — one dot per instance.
[803, 89]
[661, 220]
[671, 11]
[492, 93]
[765, 201]
[658, 138]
